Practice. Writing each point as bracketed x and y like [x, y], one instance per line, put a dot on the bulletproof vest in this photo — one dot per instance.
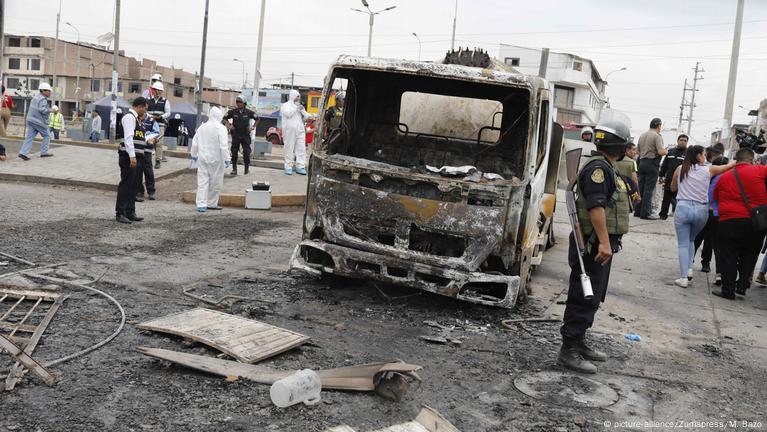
[139, 140]
[156, 107]
[336, 117]
[617, 209]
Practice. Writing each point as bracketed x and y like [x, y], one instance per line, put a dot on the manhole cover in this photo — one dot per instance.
[563, 389]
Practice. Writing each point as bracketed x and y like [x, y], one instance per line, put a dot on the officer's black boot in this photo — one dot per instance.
[570, 358]
[588, 353]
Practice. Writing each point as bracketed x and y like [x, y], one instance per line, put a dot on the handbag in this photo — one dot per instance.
[758, 213]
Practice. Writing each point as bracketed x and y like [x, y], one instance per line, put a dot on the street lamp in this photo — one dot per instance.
[612, 72]
[243, 72]
[372, 15]
[607, 99]
[419, 46]
[77, 84]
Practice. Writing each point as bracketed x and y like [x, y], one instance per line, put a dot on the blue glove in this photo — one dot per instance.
[227, 164]
[194, 158]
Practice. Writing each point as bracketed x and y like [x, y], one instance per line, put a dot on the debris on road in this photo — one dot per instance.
[246, 340]
[25, 359]
[369, 377]
[302, 386]
[633, 337]
[428, 420]
[188, 292]
[443, 337]
[16, 320]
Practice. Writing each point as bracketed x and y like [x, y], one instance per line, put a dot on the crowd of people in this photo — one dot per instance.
[714, 203]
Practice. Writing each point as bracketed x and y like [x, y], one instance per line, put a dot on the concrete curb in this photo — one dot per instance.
[238, 200]
[82, 183]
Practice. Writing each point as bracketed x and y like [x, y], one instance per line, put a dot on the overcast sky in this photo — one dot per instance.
[659, 41]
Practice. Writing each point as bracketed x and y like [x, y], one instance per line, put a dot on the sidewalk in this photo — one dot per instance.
[78, 166]
[286, 190]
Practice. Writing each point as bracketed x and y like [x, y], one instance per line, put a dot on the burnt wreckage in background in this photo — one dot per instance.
[441, 177]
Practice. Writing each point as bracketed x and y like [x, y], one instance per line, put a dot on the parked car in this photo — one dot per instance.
[274, 134]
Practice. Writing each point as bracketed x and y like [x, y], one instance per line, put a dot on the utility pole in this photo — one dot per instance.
[77, 83]
[682, 105]
[372, 20]
[115, 58]
[202, 64]
[728, 106]
[455, 18]
[544, 63]
[695, 80]
[257, 75]
[55, 51]
[292, 79]
[2, 37]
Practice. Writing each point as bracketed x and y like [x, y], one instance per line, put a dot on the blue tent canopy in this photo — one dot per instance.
[187, 113]
[104, 107]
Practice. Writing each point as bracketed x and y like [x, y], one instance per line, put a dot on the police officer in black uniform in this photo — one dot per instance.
[131, 148]
[603, 213]
[671, 162]
[240, 130]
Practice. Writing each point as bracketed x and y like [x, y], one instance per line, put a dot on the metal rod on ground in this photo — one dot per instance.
[201, 84]
[97, 291]
[48, 266]
[23, 261]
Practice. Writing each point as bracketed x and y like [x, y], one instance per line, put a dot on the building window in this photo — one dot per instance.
[12, 83]
[564, 97]
[511, 61]
[95, 85]
[14, 63]
[33, 64]
[261, 94]
[134, 88]
[177, 81]
[34, 43]
[314, 102]
[578, 65]
[34, 84]
[109, 86]
[178, 92]
[14, 42]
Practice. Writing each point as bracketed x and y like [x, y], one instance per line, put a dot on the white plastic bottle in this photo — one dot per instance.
[303, 386]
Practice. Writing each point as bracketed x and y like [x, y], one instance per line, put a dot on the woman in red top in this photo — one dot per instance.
[6, 104]
[739, 243]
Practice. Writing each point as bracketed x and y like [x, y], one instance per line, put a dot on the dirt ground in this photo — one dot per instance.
[145, 267]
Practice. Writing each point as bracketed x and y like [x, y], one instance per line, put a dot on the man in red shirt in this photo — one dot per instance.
[739, 243]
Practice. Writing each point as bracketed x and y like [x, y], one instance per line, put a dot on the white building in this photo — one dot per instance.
[579, 90]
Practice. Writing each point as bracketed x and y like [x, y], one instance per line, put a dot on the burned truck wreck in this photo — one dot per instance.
[440, 177]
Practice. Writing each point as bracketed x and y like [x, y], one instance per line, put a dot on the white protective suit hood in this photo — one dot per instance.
[292, 118]
[210, 141]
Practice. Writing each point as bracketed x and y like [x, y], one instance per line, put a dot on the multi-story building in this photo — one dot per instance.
[28, 61]
[579, 90]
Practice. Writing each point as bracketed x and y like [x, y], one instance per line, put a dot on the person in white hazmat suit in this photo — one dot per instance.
[210, 151]
[294, 133]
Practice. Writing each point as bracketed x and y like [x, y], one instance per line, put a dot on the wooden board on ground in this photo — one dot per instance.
[355, 378]
[246, 340]
[26, 360]
[428, 420]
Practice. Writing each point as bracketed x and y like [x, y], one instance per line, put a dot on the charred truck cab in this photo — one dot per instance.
[441, 177]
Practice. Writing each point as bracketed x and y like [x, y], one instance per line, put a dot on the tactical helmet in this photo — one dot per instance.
[240, 99]
[612, 133]
[587, 130]
[157, 77]
[157, 85]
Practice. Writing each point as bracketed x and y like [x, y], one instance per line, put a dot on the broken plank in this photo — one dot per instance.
[428, 420]
[26, 360]
[31, 294]
[246, 340]
[354, 378]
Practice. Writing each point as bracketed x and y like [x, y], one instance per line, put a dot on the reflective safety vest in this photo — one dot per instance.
[57, 121]
[336, 115]
[617, 209]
